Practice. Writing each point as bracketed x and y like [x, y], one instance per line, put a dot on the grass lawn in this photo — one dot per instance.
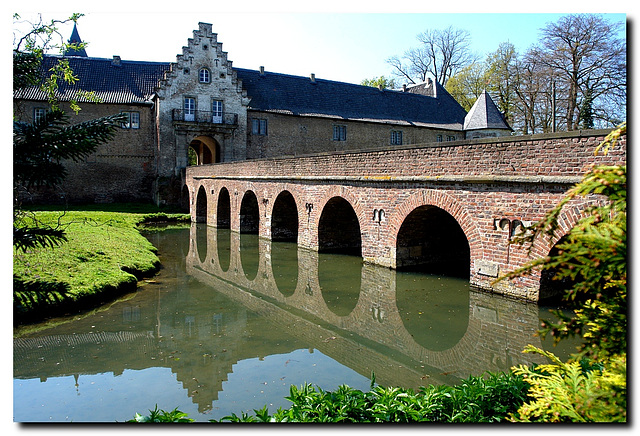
[105, 256]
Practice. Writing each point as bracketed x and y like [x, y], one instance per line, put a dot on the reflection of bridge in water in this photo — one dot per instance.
[496, 331]
[202, 331]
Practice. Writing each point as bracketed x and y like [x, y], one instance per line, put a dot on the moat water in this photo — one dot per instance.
[231, 321]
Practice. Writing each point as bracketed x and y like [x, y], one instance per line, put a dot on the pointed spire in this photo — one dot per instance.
[75, 39]
[485, 115]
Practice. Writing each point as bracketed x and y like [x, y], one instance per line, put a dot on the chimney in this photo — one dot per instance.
[380, 88]
[261, 71]
[116, 62]
[404, 88]
[313, 78]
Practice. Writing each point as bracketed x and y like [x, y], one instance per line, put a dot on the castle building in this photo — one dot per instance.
[201, 110]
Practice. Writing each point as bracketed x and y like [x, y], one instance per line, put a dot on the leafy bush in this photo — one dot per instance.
[477, 399]
[567, 392]
[594, 258]
[156, 415]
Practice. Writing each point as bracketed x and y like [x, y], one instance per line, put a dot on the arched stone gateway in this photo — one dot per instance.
[430, 240]
[223, 211]
[184, 199]
[204, 150]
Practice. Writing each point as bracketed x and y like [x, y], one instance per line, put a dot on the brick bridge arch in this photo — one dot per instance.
[443, 201]
[320, 203]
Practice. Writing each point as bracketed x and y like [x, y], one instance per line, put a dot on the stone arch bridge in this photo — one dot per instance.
[446, 207]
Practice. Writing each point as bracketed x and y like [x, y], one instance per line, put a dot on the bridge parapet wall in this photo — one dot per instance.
[566, 154]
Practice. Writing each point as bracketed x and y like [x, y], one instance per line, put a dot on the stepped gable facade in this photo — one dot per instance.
[201, 110]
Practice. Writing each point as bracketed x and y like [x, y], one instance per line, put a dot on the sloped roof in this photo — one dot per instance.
[484, 114]
[75, 39]
[130, 82]
[296, 95]
[112, 80]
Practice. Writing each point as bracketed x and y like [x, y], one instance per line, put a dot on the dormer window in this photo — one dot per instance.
[205, 76]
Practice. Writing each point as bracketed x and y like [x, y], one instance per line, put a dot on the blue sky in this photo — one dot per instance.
[331, 44]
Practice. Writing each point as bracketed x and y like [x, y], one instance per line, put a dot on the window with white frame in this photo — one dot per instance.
[439, 138]
[451, 138]
[339, 133]
[258, 126]
[216, 111]
[132, 121]
[396, 137]
[204, 76]
[38, 114]
[189, 109]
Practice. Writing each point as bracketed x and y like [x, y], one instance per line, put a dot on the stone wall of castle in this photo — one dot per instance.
[291, 135]
[121, 170]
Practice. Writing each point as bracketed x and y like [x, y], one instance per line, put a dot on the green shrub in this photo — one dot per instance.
[593, 258]
[567, 392]
[491, 398]
[156, 415]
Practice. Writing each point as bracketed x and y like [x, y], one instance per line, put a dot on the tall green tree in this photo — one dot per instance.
[41, 147]
[467, 85]
[503, 80]
[585, 117]
[585, 52]
[379, 82]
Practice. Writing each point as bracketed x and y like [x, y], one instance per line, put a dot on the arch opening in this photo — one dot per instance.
[223, 212]
[203, 150]
[339, 229]
[250, 255]
[201, 242]
[553, 288]
[284, 218]
[431, 241]
[201, 205]
[249, 213]
[184, 199]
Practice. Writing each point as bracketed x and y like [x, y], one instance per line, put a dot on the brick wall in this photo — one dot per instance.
[122, 170]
